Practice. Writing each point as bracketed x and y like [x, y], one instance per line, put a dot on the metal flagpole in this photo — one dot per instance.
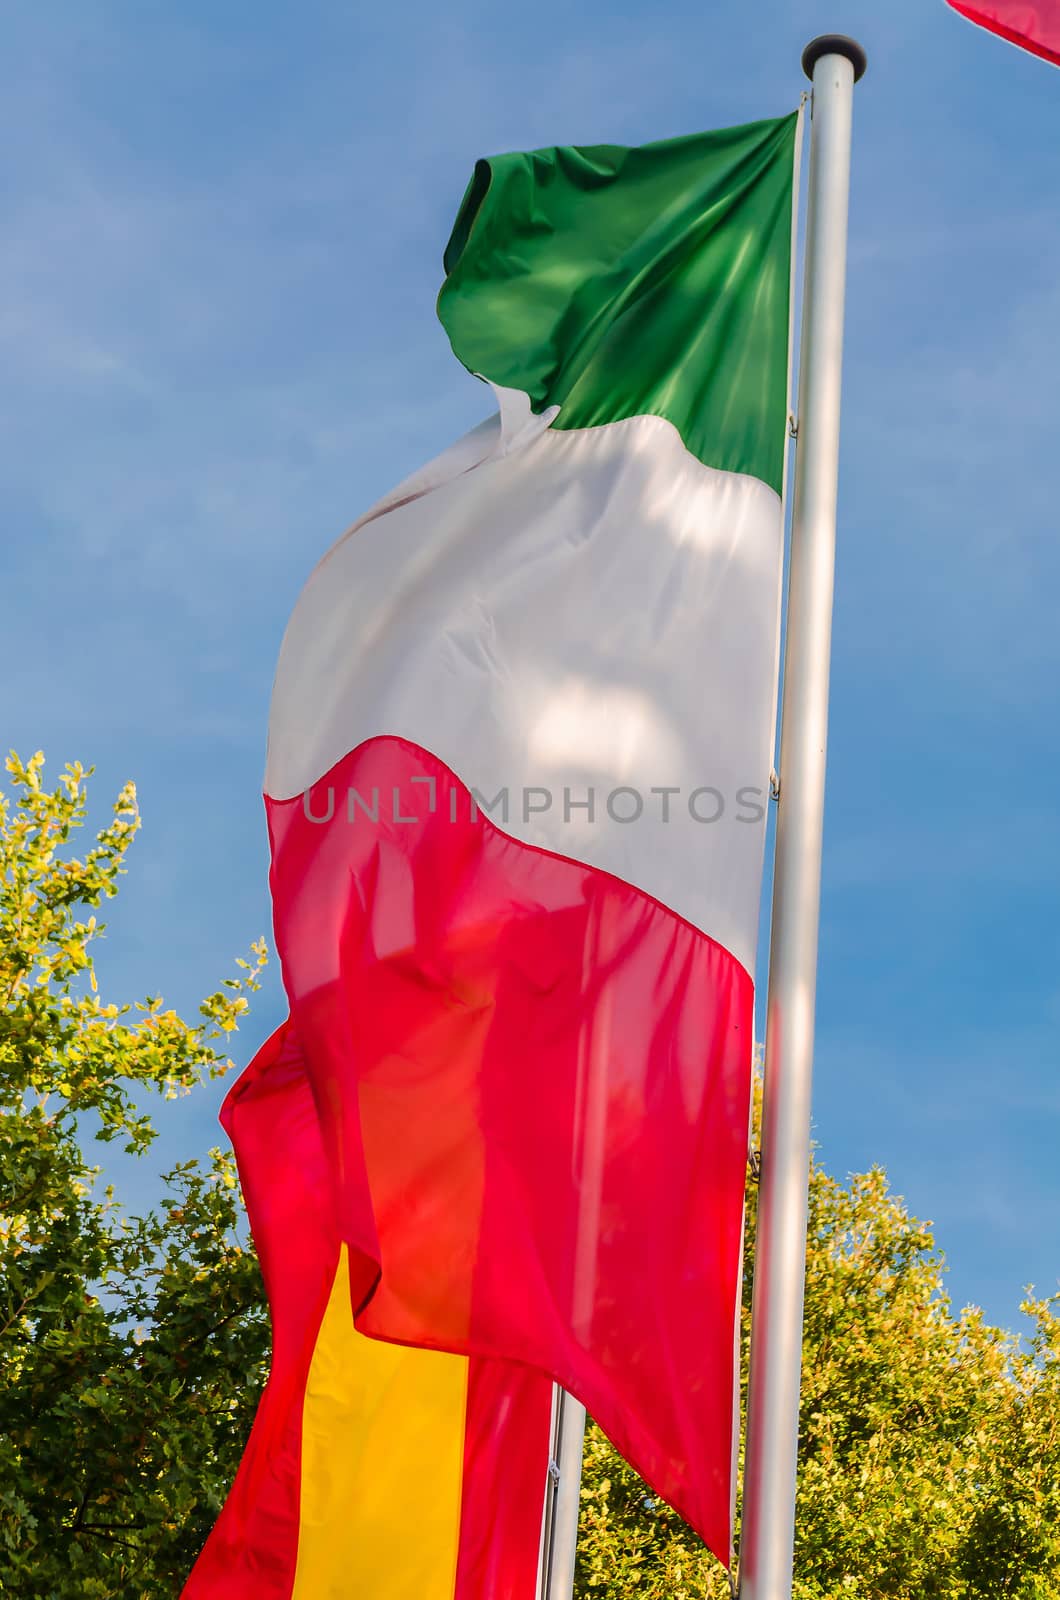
[834, 64]
[561, 1538]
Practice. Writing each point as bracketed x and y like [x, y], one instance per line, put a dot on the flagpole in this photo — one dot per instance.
[834, 64]
[565, 1468]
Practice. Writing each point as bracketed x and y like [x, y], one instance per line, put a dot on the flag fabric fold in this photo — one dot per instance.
[372, 1469]
[1034, 27]
[519, 755]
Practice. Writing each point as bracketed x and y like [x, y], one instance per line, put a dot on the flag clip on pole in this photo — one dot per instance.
[834, 64]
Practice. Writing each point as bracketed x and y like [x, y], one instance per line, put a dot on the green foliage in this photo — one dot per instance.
[132, 1349]
[930, 1442]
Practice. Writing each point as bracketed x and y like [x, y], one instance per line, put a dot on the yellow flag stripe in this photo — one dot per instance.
[382, 1465]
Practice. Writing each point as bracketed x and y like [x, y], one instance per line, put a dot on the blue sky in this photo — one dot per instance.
[221, 248]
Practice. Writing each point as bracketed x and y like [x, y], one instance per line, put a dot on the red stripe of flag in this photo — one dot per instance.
[507, 1047]
[509, 1412]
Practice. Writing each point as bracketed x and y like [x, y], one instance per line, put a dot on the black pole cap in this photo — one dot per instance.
[834, 44]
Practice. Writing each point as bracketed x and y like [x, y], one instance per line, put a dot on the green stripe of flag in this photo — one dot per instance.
[619, 282]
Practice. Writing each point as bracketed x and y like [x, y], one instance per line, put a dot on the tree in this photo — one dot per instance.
[929, 1442]
[132, 1349]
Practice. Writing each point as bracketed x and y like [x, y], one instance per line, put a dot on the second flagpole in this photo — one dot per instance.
[561, 1530]
[834, 64]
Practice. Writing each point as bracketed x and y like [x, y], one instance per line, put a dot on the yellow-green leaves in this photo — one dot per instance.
[132, 1348]
[930, 1441]
[57, 1037]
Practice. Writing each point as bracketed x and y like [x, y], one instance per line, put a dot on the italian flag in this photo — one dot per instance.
[518, 769]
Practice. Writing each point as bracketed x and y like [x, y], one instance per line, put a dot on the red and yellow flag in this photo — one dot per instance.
[373, 1469]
